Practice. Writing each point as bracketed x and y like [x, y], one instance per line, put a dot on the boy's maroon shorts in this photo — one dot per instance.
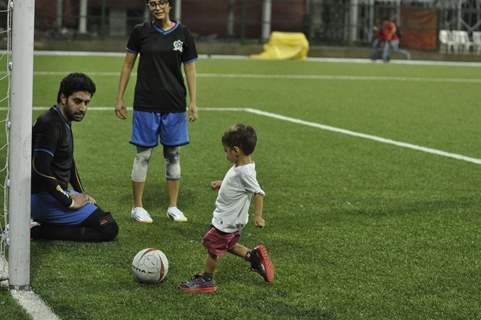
[218, 242]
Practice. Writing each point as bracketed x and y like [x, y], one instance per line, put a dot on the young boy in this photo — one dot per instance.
[231, 212]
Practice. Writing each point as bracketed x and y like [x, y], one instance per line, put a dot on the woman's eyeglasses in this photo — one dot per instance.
[155, 4]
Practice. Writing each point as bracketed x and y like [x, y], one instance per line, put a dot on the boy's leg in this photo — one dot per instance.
[239, 250]
[210, 264]
[215, 242]
[202, 281]
[258, 258]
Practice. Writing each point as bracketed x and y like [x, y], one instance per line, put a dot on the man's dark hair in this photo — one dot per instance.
[75, 82]
[242, 136]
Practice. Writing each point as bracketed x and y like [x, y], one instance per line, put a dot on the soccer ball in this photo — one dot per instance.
[150, 265]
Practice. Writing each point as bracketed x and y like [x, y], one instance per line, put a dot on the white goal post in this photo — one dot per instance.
[20, 144]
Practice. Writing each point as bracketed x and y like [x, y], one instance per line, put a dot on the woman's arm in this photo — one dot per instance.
[129, 62]
[191, 76]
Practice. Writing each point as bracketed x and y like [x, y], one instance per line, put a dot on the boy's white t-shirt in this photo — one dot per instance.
[232, 204]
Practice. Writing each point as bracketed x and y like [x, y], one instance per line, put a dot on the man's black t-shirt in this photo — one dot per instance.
[160, 85]
[53, 166]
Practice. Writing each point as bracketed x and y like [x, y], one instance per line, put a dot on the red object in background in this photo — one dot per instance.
[419, 28]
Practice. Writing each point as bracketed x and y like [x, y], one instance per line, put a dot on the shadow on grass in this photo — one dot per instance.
[281, 308]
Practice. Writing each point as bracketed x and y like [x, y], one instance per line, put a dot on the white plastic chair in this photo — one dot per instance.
[477, 42]
[462, 40]
[446, 38]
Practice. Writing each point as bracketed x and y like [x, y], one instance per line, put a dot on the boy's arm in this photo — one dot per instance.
[258, 206]
[216, 184]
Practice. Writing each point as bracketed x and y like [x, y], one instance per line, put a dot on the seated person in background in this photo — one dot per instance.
[391, 40]
[378, 43]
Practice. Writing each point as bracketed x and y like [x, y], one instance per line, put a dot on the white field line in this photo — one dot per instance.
[367, 136]
[28, 300]
[286, 77]
[326, 128]
[39, 108]
[395, 61]
[122, 54]
[33, 305]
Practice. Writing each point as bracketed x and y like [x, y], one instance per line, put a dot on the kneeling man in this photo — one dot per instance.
[64, 213]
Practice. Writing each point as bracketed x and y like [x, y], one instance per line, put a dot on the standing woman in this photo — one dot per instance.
[160, 99]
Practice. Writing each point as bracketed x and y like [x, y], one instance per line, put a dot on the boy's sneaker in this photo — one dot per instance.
[198, 284]
[261, 263]
[175, 214]
[141, 215]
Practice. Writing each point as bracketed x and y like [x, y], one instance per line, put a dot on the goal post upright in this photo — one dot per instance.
[20, 143]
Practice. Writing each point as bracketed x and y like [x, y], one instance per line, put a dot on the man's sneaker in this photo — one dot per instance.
[198, 284]
[261, 263]
[139, 214]
[175, 214]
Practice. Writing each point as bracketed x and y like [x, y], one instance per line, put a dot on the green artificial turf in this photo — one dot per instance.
[356, 229]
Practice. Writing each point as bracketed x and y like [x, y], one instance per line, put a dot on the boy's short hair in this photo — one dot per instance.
[75, 82]
[242, 136]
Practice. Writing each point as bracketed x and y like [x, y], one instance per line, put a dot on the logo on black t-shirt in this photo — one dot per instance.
[178, 46]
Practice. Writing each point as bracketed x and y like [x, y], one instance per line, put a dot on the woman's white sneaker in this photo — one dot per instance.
[139, 214]
[175, 214]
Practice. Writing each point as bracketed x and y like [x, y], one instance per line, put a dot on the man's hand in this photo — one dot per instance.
[121, 110]
[80, 199]
[216, 184]
[193, 112]
[259, 221]
[91, 199]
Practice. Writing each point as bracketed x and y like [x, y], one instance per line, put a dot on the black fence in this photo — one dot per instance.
[334, 22]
